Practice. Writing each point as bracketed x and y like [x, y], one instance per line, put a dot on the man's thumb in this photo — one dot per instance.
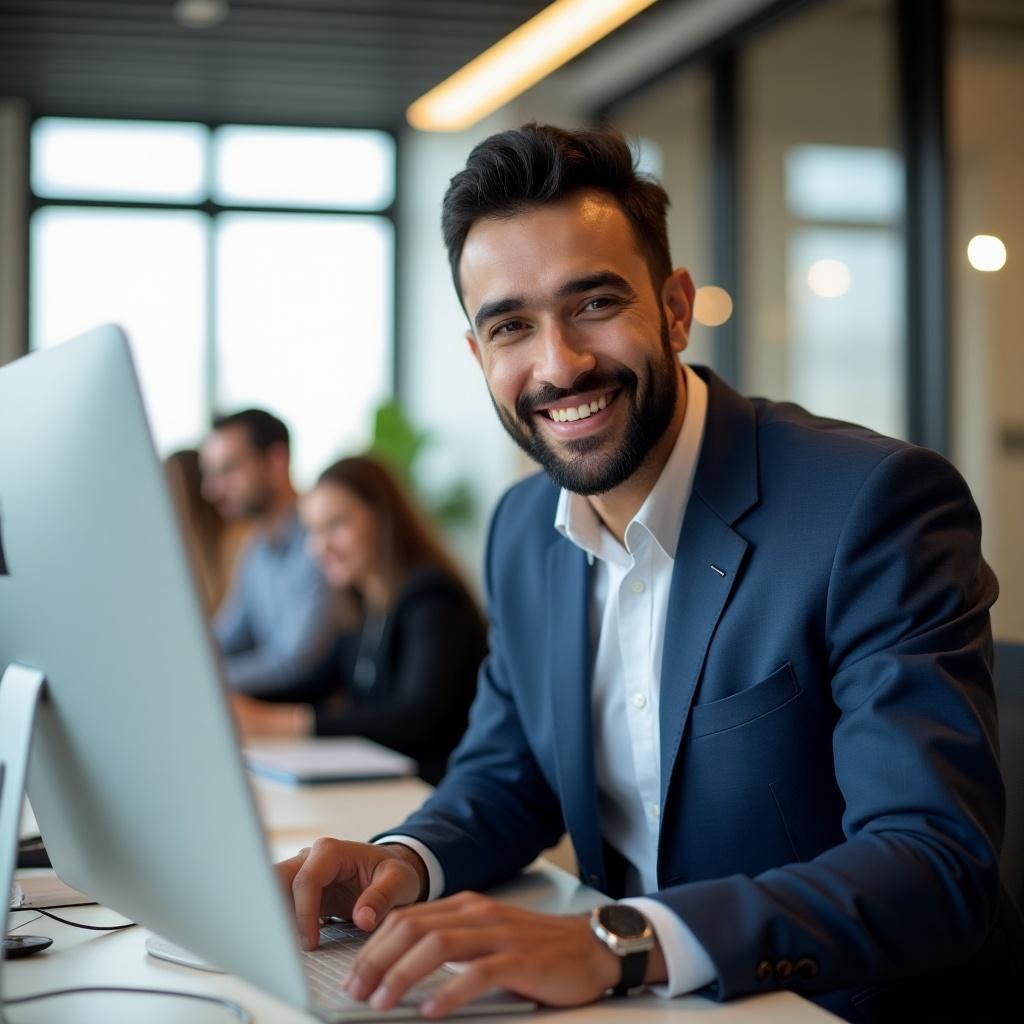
[394, 883]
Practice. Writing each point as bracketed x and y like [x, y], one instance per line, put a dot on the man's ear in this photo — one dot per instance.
[677, 295]
[474, 347]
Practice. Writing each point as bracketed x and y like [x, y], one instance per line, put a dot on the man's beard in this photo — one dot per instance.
[588, 470]
[257, 504]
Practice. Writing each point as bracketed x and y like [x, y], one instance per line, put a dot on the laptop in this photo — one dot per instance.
[135, 772]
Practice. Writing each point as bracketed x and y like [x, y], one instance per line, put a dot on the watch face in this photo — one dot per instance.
[624, 921]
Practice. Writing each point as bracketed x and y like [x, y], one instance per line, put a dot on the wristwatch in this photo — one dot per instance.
[628, 934]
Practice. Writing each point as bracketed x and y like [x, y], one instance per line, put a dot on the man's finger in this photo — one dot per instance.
[393, 883]
[423, 958]
[287, 869]
[324, 863]
[501, 970]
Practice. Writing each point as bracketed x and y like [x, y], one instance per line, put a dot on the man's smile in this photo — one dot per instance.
[565, 415]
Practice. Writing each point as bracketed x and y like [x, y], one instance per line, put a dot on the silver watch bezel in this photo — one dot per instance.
[622, 945]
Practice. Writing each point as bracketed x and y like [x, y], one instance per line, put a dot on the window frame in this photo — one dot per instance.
[211, 209]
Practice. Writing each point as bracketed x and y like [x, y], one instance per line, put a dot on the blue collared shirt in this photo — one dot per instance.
[276, 622]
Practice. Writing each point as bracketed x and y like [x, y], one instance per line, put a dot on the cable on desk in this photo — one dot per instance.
[73, 924]
[24, 924]
[238, 1011]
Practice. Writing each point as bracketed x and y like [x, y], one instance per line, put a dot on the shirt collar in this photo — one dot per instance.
[661, 514]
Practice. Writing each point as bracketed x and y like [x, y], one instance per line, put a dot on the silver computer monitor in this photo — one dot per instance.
[134, 776]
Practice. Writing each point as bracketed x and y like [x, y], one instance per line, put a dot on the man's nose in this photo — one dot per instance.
[563, 356]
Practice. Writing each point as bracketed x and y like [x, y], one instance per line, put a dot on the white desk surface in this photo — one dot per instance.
[294, 817]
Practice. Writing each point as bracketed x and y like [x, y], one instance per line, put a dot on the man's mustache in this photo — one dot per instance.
[546, 394]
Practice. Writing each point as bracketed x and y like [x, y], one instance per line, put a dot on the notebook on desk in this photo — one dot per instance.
[319, 761]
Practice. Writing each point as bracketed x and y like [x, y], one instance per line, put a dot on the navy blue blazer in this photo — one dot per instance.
[832, 807]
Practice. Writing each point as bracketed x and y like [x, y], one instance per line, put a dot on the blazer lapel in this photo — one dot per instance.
[707, 563]
[708, 557]
[568, 664]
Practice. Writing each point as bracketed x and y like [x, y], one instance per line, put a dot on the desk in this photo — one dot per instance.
[294, 817]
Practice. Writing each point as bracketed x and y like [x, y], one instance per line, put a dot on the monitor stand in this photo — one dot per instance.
[20, 692]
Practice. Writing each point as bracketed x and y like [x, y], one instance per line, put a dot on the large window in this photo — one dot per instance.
[821, 201]
[249, 266]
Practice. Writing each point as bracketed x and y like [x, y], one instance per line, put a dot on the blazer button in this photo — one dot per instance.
[783, 969]
[594, 881]
[764, 970]
[806, 967]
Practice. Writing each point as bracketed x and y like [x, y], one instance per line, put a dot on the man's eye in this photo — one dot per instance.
[598, 303]
[509, 327]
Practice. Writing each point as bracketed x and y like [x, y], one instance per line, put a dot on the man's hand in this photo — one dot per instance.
[555, 960]
[257, 718]
[356, 881]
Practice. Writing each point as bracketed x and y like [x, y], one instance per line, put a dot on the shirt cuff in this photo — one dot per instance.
[435, 873]
[687, 961]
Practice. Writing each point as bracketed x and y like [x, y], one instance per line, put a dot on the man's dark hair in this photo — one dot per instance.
[263, 428]
[538, 164]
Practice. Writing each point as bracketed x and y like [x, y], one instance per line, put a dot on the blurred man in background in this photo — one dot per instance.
[277, 619]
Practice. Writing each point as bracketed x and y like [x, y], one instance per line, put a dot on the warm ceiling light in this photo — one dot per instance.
[535, 49]
[200, 13]
[986, 252]
[712, 306]
[829, 278]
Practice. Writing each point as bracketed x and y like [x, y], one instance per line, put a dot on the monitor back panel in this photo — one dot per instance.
[135, 775]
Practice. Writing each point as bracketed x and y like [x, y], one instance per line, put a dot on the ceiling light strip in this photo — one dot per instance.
[513, 64]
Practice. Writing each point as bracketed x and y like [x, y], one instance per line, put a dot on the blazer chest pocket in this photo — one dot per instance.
[743, 707]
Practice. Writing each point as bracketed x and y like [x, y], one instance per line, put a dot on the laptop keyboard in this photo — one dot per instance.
[328, 965]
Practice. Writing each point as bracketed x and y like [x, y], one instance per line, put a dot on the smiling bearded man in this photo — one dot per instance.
[741, 653]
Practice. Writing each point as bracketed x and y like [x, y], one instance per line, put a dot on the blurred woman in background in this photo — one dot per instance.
[404, 675]
[213, 543]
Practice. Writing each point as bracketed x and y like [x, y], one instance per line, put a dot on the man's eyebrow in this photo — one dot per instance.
[577, 286]
[600, 279]
[499, 307]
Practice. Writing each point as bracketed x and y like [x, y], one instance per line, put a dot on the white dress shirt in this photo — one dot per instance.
[629, 601]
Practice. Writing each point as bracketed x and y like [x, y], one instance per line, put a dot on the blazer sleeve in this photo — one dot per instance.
[914, 886]
[494, 811]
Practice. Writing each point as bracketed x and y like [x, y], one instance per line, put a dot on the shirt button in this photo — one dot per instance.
[655, 811]
[639, 700]
[637, 586]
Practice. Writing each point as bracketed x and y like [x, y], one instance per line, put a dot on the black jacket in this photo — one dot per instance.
[418, 679]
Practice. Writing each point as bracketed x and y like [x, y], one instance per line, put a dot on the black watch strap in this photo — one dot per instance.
[634, 969]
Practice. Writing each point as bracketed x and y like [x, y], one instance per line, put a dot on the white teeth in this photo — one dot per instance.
[580, 412]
